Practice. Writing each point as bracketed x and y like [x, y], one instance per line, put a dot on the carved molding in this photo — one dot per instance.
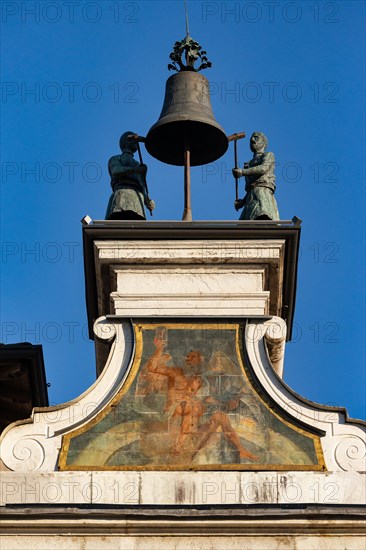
[33, 445]
[30, 452]
[344, 441]
[350, 453]
[223, 278]
[189, 304]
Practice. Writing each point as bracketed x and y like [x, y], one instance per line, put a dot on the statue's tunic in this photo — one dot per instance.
[260, 187]
[129, 190]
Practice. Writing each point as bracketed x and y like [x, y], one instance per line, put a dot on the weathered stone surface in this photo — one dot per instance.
[303, 528]
[190, 278]
[183, 488]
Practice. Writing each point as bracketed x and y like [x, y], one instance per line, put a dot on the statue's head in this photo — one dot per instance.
[126, 143]
[258, 142]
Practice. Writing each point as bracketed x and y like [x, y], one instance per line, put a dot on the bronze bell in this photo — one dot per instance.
[186, 121]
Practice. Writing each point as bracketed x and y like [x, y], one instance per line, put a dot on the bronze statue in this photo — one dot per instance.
[259, 202]
[128, 181]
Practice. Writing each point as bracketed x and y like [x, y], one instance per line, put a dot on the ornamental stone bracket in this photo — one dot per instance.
[33, 446]
[344, 440]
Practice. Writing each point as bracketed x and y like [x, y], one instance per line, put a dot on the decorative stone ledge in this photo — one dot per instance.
[192, 278]
[272, 528]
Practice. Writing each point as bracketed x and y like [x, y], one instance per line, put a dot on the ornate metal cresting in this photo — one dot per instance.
[186, 133]
[192, 51]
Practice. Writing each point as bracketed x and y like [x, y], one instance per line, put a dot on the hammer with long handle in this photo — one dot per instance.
[234, 138]
[142, 139]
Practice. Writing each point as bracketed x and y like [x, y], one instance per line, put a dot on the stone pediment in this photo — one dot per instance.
[279, 437]
[190, 400]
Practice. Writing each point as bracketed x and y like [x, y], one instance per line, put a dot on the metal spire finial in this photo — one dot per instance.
[189, 50]
[186, 11]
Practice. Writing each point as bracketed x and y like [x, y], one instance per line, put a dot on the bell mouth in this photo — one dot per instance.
[167, 142]
[186, 119]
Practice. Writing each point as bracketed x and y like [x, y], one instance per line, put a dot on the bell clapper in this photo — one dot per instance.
[187, 213]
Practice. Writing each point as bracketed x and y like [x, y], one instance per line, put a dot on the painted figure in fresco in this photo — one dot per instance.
[149, 380]
[178, 381]
[225, 392]
[182, 401]
[157, 377]
[191, 409]
[128, 181]
[215, 416]
[259, 202]
[221, 420]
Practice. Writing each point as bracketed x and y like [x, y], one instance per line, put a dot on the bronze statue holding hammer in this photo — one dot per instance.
[128, 182]
[259, 202]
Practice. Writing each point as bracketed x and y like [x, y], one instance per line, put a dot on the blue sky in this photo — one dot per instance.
[77, 74]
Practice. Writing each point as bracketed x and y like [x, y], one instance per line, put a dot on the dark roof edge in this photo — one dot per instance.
[33, 355]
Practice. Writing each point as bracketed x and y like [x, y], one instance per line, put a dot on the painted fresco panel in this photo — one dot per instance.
[188, 403]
